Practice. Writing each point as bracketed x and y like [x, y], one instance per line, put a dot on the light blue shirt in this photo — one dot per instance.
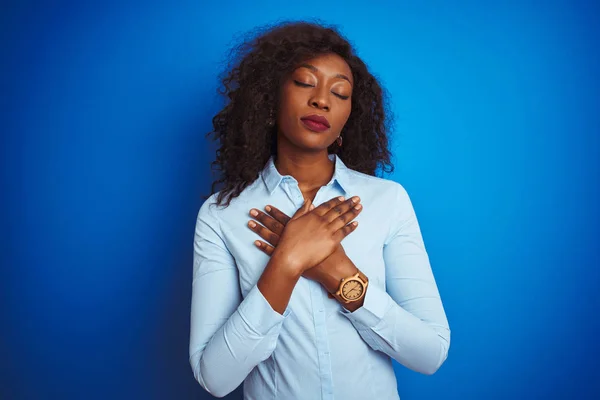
[317, 349]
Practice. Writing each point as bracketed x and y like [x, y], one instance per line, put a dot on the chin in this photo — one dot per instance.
[311, 144]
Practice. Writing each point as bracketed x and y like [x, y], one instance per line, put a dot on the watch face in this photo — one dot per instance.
[352, 290]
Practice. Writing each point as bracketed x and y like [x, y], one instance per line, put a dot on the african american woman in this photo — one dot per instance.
[309, 273]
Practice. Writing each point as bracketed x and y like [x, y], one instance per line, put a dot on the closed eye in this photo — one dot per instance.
[302, 84]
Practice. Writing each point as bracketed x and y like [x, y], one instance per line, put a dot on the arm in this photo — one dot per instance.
[407, 321]
[230, 336]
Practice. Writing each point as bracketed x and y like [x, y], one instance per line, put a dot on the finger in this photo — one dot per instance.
[345, 218]
[341, 233]
[267, 221]
[264, 233]
[264, 247]
[281, 217]
[307, 204]
[328, 205]
[340, 209]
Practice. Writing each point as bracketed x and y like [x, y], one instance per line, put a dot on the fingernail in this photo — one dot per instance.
[257, 243]
[252, 224]
[356, 199]
[312, 206]
[254, 213]
[358, 206]
[341, 198]
[268, 208]
[355, 223]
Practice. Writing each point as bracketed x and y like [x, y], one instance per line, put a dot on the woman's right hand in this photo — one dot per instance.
[312, 235]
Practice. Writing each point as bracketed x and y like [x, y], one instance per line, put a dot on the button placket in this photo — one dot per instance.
[322, 341]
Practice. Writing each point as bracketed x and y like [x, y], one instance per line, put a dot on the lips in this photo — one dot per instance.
[315, 122]
[317, 118]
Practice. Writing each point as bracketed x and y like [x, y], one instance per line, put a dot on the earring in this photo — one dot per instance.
[270, 120]
[339, 140]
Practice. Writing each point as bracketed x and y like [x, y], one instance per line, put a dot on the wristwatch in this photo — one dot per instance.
[352, 288]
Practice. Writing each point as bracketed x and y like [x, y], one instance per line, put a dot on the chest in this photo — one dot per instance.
[364, 246]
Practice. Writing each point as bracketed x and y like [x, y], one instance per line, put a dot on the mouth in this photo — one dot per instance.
[315, 123]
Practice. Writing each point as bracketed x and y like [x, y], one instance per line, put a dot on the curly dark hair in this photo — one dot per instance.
[251, 81]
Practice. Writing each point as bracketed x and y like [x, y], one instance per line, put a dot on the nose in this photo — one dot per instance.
[319, 99]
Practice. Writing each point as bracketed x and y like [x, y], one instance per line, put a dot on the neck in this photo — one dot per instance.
[311, 170]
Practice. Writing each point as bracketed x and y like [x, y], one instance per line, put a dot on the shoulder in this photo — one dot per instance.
[217, 213]
[390, 189]
[207, 221]
[208, 207]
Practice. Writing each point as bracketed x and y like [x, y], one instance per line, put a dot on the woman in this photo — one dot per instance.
[291, 296]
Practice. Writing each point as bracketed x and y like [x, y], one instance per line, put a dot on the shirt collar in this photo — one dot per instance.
[272, 178]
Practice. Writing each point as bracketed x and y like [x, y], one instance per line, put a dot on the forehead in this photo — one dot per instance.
[327, 64]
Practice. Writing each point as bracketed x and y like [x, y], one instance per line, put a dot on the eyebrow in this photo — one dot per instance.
[313, 68]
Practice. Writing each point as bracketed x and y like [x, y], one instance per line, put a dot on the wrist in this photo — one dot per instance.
[288, 264]
[355, 305]
[331, 282]
[336, 271]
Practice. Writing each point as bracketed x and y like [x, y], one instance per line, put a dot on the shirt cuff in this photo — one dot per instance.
[373, 308]
[258, 314]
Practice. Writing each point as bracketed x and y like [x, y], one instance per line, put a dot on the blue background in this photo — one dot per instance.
[104, 162]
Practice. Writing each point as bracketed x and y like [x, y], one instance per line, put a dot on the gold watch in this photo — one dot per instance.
[352, 288]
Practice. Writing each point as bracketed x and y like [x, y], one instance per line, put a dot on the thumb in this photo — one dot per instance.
[303, 209]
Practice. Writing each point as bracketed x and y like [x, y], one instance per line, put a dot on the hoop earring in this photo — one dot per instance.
[339, 141]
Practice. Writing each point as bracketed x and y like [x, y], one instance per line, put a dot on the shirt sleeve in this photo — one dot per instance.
[229, 335]
[406, 320]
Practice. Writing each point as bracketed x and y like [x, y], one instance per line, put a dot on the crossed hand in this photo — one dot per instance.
[311, 236]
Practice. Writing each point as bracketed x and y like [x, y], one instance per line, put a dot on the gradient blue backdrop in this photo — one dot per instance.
[104, 161]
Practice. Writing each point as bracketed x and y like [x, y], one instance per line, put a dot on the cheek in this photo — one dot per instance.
[288, 109]
[347, 113]
[343, 117]
[289, 96]
[286, 117]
